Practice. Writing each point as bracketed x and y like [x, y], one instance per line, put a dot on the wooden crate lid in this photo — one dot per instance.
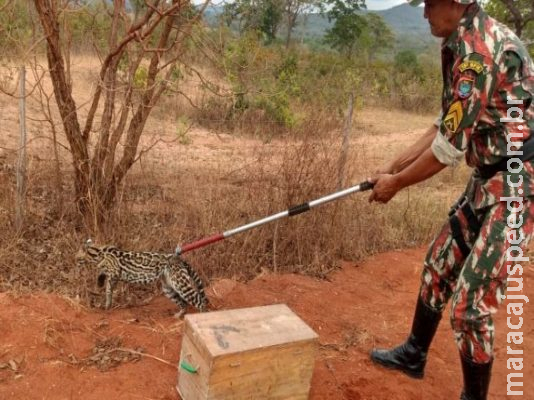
[234, 331]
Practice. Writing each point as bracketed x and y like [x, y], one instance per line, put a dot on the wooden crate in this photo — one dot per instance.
[252, 353]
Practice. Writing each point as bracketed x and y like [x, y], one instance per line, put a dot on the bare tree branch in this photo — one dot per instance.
[123, 97]
[45, 100]
[6, 5]
[28, 93]
[133, 34]
[48, 16]
[125, 112]
[519, 19]
[110, 82]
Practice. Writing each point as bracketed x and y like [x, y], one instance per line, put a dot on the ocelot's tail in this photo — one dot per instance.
[186, 283]
[201, 295]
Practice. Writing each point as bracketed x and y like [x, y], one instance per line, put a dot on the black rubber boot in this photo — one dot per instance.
[410, 357]
[476, 379]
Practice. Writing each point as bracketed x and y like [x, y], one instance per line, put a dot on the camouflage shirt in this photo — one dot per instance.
[485, 69]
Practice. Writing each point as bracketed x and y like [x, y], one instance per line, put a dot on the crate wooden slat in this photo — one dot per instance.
[252, 353]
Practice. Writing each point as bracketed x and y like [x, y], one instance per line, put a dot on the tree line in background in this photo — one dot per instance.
[351, 31]
[148, 49]
[517, 14]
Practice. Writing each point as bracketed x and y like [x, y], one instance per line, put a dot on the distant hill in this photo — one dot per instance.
[410, 26]
[407, 22]
[406, 19]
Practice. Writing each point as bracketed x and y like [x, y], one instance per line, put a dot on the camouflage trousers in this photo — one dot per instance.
[477, 282]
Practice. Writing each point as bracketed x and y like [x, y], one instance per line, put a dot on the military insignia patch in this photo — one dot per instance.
[465, 87]
[454, 116]
[471, 65]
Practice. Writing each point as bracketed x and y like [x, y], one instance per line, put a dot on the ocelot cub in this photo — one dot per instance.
[180, 282]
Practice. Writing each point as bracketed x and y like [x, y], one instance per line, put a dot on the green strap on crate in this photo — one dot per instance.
[188, 367]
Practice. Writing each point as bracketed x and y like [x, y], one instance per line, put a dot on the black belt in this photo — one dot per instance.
[473, 224]
[488, 171]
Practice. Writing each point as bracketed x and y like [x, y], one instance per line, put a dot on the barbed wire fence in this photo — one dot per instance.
[26, 121]
[21, 162]
[13, 84]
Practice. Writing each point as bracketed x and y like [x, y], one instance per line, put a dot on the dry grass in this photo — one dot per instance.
[158, 210]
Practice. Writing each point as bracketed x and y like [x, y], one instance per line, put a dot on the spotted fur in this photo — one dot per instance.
[180, 281]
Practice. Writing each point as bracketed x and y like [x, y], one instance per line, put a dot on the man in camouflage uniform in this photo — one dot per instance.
[487, 72]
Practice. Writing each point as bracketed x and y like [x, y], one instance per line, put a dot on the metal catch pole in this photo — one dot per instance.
[291, 212]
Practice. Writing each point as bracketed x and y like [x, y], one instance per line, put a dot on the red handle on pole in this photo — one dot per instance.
[201, 243]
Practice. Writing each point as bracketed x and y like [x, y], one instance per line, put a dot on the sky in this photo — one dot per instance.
[382, 4]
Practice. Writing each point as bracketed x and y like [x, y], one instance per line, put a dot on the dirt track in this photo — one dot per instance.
[50, 345]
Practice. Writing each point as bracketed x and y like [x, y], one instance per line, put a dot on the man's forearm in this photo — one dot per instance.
[416, 164]
[424, 167]
[412, 153]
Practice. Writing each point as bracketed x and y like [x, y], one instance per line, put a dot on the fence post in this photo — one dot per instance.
[21, 162]
[345, 144]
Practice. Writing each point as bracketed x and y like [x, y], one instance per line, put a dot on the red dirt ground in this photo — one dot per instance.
[49, 347]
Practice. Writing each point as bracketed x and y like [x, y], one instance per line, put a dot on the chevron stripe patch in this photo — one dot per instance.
[454, 117]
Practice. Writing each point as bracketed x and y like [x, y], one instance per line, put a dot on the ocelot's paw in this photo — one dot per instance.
[180, 314]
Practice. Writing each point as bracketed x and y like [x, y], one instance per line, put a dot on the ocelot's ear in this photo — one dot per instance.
[88, 243]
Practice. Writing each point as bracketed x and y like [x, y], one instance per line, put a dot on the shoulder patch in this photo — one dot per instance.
[454, 116]
[465, 86]
[471, 65]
